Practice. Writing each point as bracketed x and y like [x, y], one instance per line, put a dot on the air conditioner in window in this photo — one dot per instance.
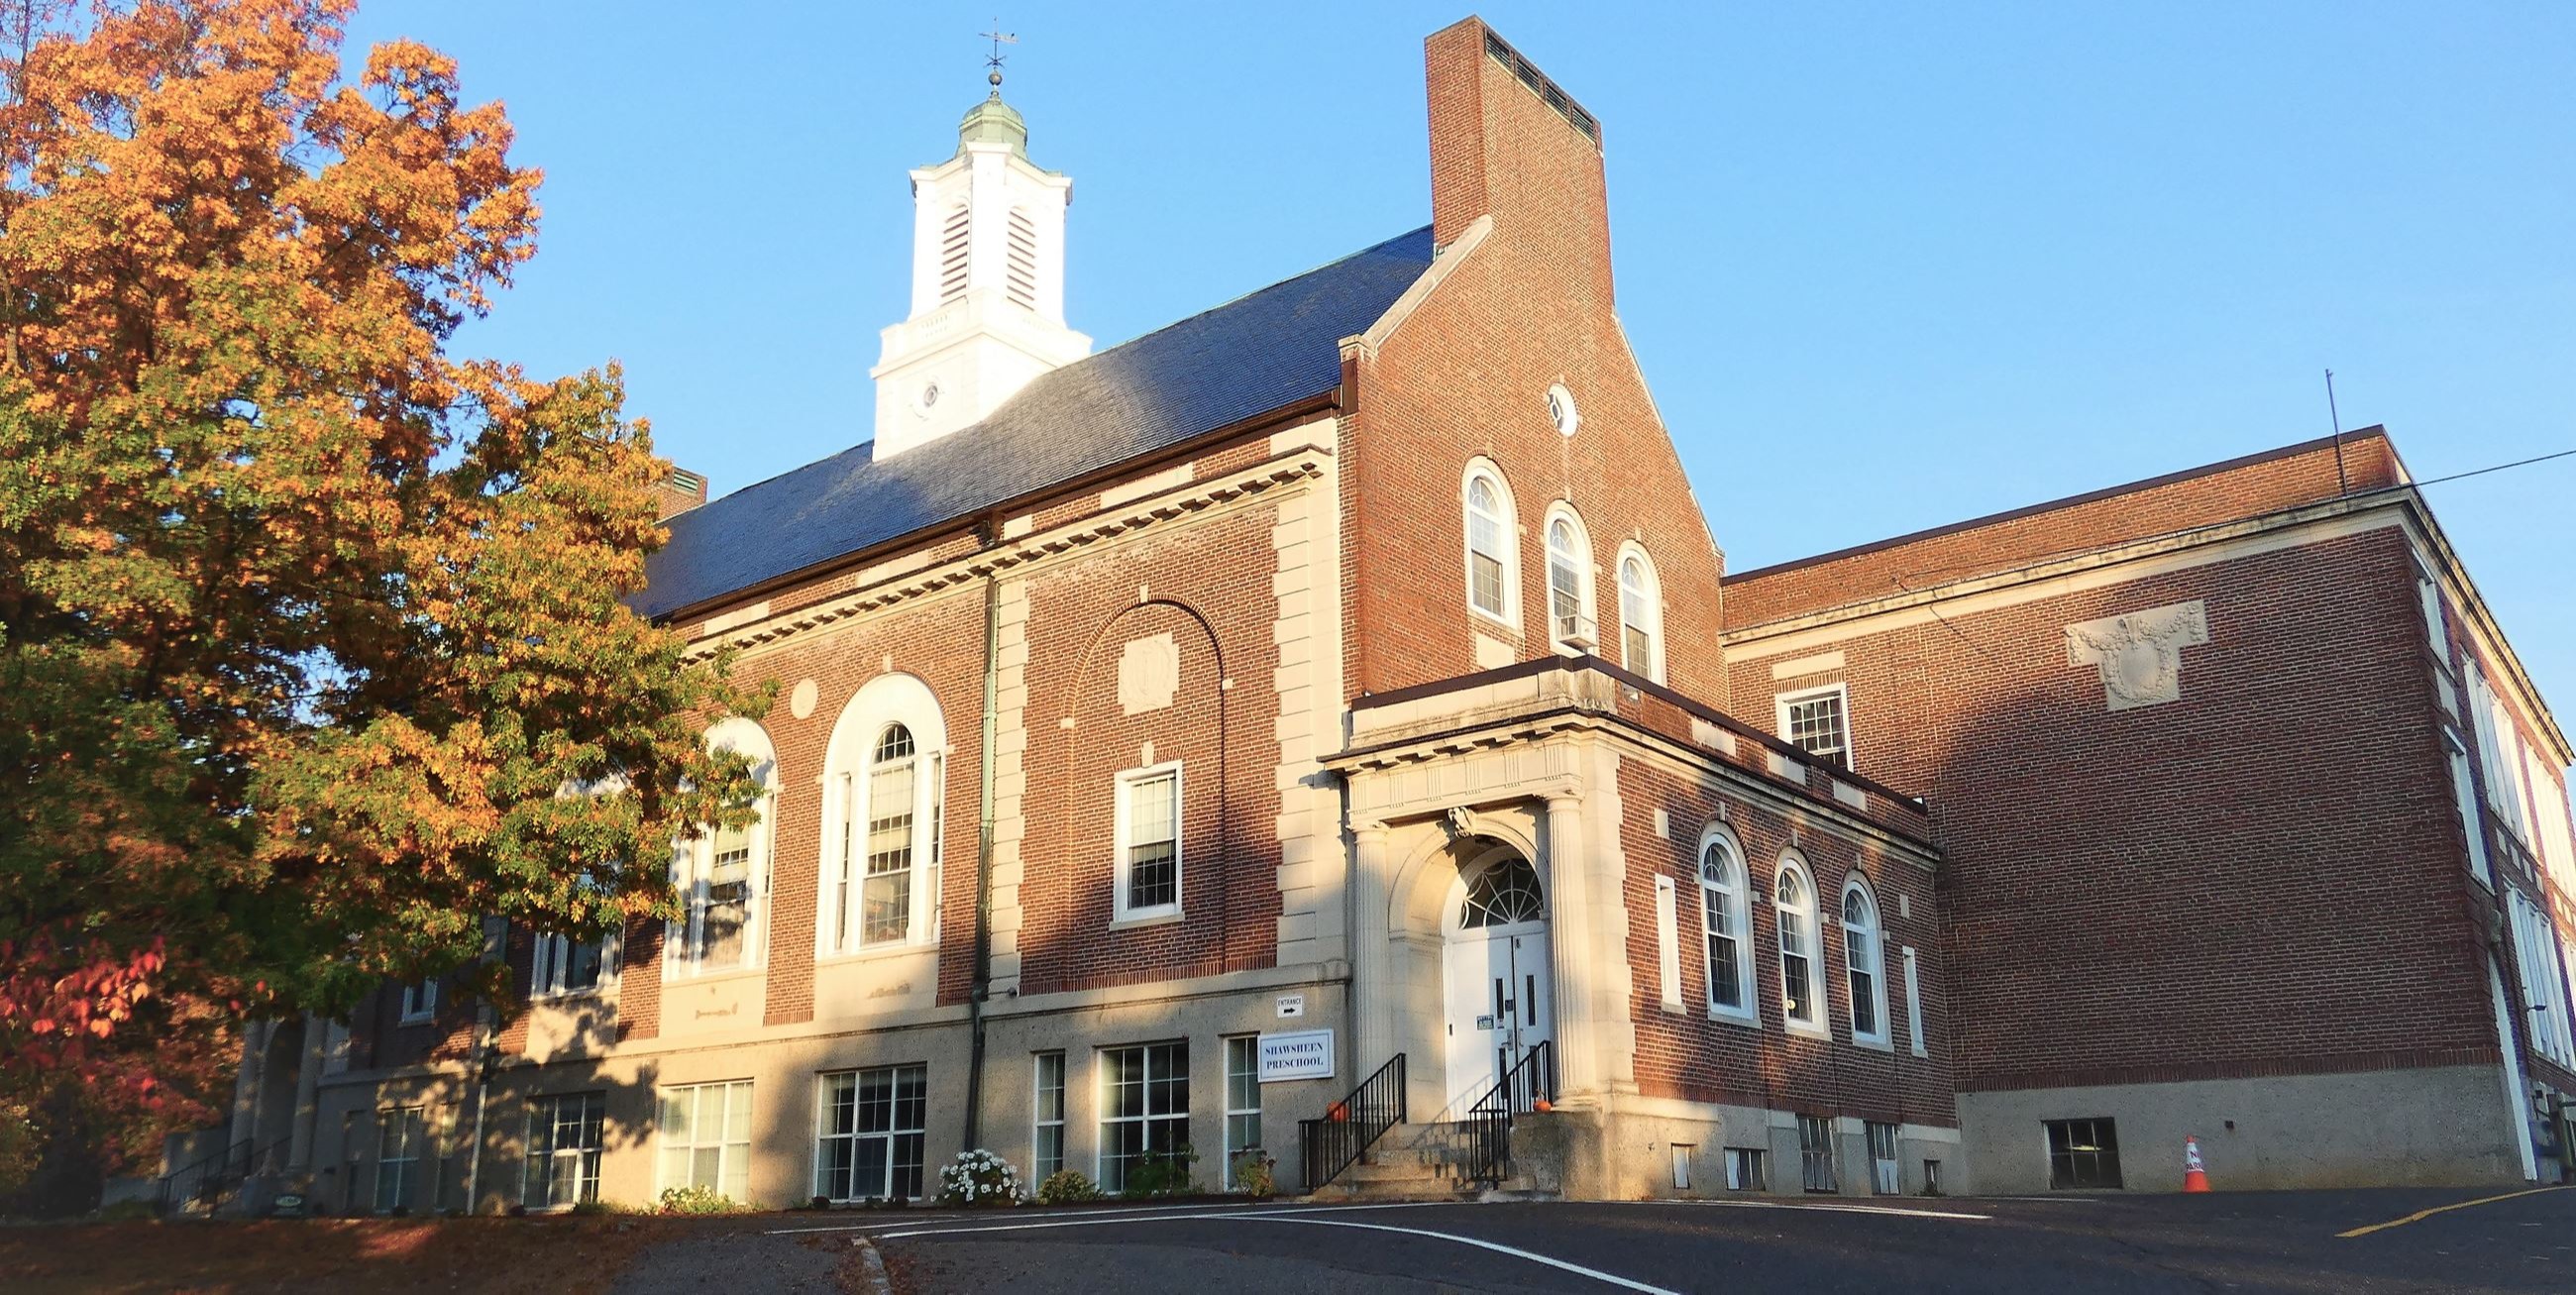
[1578, 632]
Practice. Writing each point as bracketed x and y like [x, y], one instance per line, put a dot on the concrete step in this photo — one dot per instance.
[1365, 1172]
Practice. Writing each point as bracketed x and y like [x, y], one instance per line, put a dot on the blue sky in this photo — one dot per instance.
[1886, 266]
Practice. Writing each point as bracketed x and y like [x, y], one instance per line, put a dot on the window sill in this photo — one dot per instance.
[1508, 624]
[1729, 1016]
[1873, 1044]
[875, 953]
[426, 1019]
[1134, 921]
[1806, 1031]
[568, 995]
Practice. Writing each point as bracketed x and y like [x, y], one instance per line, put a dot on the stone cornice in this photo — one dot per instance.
[1209, 496]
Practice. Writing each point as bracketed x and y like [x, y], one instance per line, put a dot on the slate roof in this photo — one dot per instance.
[1257, 353]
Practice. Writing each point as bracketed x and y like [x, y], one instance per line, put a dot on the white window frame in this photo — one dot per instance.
[1868, 939]
[2499, 754]
[1578, 560]
[1726, 899]
[1249, 1046]
[693, 863]
[2540, 961]
[585, 1161]
[1039, 1087]
[1913, 1006]
[550, 965]
[1102, 1105]
[1813, 1023]
[1127, 781]
[1781, 702]
[420, 1001]
[409, 1126]
[1507, 528]
[2557, 833]
[1650, 602]
[889, 1135]
[2464, 795]
[840, 921]
[733, 1154]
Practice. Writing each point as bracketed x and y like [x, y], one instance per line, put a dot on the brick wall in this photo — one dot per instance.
[2265, 876]
[1468, 373]
[1688, 1055]
[2220, 492]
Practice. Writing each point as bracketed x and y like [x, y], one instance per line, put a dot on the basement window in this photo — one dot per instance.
[1747, 1170]
[2083, 1154]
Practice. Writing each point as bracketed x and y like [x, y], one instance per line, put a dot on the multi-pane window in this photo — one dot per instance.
[1748, 1169]
[1641, 617]
[1817, 723]
[2536, 951]
[1489, 588]
[1723, 922]
[1568, 575]
[400, 1135]
[1882, 1158]
[1242, 1099]
[1816, 1154]
[1046, 1120]
[1862, 960]
[2465, 796]
[1149, 842]
[870, 1129]
[419, 1001]
[885, 897]
[717, 877]
[1144, 1107]
[705, 1138]
[1795, 899]
[564, 1140]
[564, 965]
[2083, 1153]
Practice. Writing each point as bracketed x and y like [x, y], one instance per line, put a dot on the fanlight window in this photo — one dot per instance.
[1501, 895]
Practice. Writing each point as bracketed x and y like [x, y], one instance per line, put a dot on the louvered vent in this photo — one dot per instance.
[1022, 280]
[953, 242]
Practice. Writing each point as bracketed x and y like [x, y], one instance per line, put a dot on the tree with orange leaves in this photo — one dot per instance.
[312, 648]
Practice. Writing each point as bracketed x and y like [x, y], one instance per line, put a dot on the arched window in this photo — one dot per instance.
[1641, 615]
[1492, 543]
[1794, 896]
[1725, 924]
[1863, 955]
[1501, 895]
[723, 875]
[1569, 583]
[881, 818]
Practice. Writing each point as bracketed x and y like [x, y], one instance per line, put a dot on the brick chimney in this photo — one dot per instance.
[1507, 142]
[678, 493]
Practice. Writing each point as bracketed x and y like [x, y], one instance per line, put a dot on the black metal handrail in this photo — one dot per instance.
[1531, 1080]
[209, 1180]
[1354, 1124]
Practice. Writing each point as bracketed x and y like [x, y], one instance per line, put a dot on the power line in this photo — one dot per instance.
[2479, 472]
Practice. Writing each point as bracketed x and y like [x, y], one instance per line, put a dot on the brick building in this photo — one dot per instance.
[1331, 705]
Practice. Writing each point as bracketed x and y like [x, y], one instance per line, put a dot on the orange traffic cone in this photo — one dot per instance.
[2194, 1179]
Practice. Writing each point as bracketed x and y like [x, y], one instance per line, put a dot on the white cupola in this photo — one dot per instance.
[987, 285]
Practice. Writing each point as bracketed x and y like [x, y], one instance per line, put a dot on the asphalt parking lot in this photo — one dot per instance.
[2401, 1240]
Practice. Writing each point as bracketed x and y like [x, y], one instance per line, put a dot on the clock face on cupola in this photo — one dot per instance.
[987, 285]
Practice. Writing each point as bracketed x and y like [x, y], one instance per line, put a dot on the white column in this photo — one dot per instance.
[308, 1079]
[1373, 998]
[1569, 928]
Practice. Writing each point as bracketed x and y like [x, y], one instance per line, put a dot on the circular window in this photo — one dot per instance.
[930, 395]
[1561, 411]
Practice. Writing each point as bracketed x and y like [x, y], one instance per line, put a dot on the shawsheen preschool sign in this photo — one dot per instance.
[1306, 1054]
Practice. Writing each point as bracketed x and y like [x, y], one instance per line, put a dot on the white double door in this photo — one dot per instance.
[1501, 1004]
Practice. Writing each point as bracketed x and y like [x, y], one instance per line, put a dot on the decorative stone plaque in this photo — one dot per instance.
[1149, 672]
[2139, 654]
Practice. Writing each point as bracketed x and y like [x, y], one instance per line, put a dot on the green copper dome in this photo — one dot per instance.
[994, 122]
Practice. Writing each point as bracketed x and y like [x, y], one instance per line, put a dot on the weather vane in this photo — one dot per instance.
[999, 38]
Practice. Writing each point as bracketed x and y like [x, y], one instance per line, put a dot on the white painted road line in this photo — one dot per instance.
[1833, 1209]
[1497, 1247]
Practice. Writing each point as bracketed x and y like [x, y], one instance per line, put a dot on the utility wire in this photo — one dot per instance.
[2479, 472]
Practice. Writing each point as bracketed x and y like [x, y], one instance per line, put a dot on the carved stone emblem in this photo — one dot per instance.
[2139, 654]
[1149, 672]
